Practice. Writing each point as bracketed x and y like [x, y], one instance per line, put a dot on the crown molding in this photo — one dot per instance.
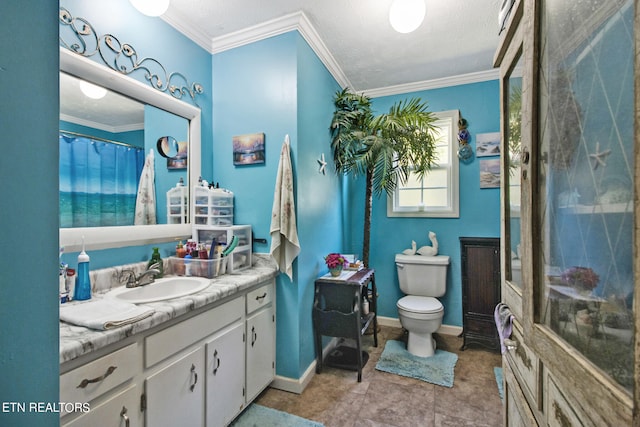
[298, 21]
[477, 77]
[295, 21]
[179, 23]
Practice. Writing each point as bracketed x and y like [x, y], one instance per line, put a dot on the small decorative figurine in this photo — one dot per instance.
[465, 152]
[411, 251]
[430, 250]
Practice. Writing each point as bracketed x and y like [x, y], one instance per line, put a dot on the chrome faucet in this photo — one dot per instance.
[145, 278]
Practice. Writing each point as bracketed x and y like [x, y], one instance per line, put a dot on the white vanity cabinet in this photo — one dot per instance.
[225, 375]
[175, 394]
[261, 339]
[201, 369]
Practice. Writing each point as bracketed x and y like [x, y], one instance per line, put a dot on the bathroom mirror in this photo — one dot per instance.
[146, 97]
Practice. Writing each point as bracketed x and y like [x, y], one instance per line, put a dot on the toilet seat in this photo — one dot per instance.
[418, 304]
[417, 307]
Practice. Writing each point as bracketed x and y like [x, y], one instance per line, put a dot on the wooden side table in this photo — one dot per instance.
[338, 311]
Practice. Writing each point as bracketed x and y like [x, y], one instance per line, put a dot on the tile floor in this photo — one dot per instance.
[335, 398]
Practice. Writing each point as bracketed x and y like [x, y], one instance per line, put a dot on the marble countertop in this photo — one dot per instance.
[76, 341]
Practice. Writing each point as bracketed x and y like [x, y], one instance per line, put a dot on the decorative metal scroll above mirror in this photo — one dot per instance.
[79, 36]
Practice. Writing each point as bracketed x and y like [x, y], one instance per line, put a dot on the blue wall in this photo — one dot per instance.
[29, 218]
[278, 86]
[479, 208]
[164, 124]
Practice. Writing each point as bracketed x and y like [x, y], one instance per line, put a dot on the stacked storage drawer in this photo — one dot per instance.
[212, 207]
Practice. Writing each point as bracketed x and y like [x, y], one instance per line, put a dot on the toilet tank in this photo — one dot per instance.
[422, 275]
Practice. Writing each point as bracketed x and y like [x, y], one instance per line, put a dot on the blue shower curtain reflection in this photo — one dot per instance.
[98, 182]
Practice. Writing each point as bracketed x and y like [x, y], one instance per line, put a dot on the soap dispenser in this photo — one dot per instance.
[83, 282]
[156, 259]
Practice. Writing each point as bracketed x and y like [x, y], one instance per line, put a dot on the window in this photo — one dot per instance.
[436, 193]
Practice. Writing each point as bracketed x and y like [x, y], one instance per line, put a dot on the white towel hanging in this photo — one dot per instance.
[285, 246]
[146, 199]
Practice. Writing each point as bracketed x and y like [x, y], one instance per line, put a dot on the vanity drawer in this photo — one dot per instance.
[89, 381]
[524, 362]
[171, 340]
[261, 297]
[112, 413]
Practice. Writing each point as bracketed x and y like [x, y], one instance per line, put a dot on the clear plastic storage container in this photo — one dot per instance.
[209, 268]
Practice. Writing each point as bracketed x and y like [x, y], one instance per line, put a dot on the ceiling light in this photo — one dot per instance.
[151, 7]
[92, 91]
[406, 16]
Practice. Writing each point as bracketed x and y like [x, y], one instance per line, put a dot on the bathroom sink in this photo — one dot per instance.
[160, 290]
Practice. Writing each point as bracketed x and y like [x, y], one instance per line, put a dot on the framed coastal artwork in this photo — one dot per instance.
[180, 160]
[248, 149]
[488, 144]
[490, 173]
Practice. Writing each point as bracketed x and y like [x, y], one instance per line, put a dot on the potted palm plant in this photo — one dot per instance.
[384, 148]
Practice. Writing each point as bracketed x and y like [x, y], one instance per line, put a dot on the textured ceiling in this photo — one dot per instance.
[457, 37]
[353, 38]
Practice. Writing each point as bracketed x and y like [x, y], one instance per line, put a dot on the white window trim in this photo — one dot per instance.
[453, 210]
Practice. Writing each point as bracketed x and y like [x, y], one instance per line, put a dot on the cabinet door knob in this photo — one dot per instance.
[123, 415]
[85, 382]
[259, 297]
[254, 336]
[194, 374]
[511, 345]
[216, 362]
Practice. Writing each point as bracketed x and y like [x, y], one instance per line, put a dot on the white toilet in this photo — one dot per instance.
[422, 278]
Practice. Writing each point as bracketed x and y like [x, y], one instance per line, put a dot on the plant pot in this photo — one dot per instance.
[336, 271]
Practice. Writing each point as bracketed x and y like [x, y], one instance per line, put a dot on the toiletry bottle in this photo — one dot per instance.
[203, 255]
[156, 259]
[71, 283]
[62, 284]
[187, 264]
[83, 282]
[180, 250]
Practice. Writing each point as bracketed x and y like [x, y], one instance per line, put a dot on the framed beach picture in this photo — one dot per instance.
[180, 160]
[248, 149]
[488, 144]
[490, 173]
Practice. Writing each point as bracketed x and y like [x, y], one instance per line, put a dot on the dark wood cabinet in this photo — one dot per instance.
[480, 264]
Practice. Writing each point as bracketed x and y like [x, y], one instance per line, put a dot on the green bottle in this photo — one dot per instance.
[156, 259]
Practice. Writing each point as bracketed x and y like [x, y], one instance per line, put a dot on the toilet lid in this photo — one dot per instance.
[417, 304]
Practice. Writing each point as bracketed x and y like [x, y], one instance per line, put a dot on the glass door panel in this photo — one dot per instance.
[585, 180]
[513, 134]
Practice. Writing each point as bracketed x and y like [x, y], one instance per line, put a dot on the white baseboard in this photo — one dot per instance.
[292, 385]
[444, 329]
[389, 321]
[297, 386]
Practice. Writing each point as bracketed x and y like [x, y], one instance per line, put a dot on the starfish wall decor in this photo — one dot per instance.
[323, 164]
[599, 157]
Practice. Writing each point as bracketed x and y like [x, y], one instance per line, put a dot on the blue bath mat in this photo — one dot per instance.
[500, 382]
[437, 369]
[261, 416]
